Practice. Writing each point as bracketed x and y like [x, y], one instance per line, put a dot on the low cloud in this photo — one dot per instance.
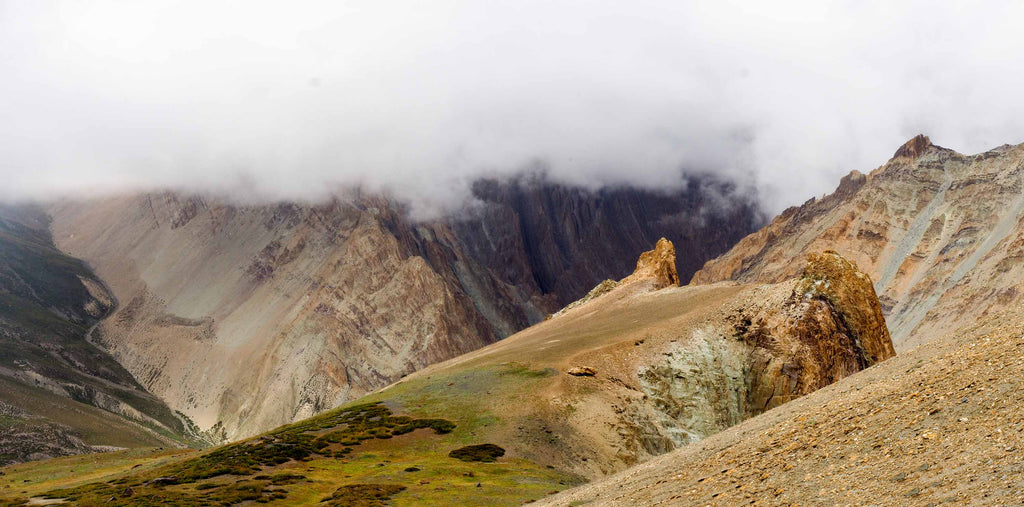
[292, 100]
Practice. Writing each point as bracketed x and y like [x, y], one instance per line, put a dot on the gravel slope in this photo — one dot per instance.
[941, 423]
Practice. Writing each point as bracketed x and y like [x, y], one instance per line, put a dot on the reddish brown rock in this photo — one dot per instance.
[830, 326]
[914, 147]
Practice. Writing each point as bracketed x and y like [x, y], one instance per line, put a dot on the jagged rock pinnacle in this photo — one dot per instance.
[658, 264]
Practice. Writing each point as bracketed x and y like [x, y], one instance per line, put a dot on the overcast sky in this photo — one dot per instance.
[286, 99]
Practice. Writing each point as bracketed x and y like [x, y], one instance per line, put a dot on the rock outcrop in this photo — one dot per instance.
[914, 148]
[940, 233]
[658, 265]
[245, 317]
[891, 435]
[657, 268]
[781, 342]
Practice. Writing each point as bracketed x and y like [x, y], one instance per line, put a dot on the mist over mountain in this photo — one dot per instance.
[290, 102]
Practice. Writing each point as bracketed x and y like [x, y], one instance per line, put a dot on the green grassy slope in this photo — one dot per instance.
[363, 454]
[48, 368]
[393, 447]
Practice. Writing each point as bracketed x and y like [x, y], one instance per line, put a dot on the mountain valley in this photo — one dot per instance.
[246, 317]
[632, 373]
[60, 392]
[771, 378]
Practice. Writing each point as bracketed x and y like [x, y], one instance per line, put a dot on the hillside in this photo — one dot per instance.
[635, 372]
[942, 423]
[246, 317]
[941, 234]
[59, 393]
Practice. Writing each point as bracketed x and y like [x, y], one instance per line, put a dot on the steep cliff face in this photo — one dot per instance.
[940, 233]
[565, 240]
[247, 317]
[51, 375]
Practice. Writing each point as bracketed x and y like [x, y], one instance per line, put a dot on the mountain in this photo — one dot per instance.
[941, 234]
[637, 370]
[59, 393]
[245, 317]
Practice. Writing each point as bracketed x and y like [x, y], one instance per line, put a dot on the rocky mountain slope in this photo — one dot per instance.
[635, 372]
[941, 234]
[247, 317]
[940, 424]
[59, 393]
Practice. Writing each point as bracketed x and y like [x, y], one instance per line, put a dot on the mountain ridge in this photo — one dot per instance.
[941, 234]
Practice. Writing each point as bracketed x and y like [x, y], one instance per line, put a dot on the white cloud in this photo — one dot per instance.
[289, 98]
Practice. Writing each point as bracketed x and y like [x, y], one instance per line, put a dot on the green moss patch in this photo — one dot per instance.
[363, 495]
[482, 452]
[199, 481]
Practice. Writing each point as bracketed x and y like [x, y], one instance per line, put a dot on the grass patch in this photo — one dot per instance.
[482, 452]
[363, 495]
[300, 442]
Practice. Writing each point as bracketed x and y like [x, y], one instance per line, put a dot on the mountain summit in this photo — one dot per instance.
[914, 147]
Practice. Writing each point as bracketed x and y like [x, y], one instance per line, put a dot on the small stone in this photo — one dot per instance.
[582, 371]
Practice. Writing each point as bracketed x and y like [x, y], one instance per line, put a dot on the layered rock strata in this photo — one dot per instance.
[941, 234]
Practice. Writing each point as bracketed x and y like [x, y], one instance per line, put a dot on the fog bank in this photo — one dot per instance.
[290, 100]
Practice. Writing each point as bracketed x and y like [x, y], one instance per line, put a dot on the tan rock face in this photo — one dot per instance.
[940, 234]
[658, 265]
